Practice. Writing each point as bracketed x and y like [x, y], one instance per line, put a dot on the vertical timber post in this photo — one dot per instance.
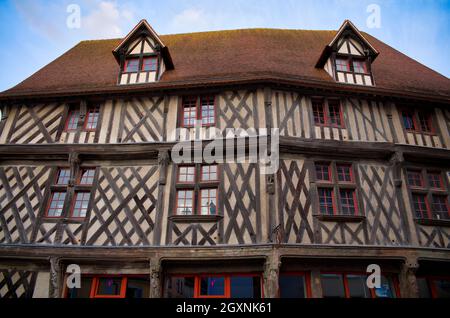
[271, 274]
[155, 277]
[407, 279]
[55, 278]
[163, 162]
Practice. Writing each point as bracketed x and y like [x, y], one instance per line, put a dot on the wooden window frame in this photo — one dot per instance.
[68, 119]
[56, 182]
[198, 110]
[127, 62]
[360, 60]
[336, 186]
[427, 191]
[196, 187]
[74, 200]
[326, 103]
[414, 113]
[50, 202]
[91, 110]
[227, 283]
[80, 176]
[152, 58]
[391, 276]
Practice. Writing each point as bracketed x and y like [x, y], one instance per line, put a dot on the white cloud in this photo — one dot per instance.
[191, 19]
[106, 20]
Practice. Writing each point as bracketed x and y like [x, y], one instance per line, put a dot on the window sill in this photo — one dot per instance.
[434, 222]
[195, 218]
[341, 218]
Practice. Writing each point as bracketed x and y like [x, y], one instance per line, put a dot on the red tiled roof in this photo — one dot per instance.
[229, 56]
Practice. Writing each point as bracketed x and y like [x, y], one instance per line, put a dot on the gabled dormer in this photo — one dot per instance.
[349, 56]
[142, 56]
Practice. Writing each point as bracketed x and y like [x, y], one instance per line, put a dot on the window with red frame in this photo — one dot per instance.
[327, 112]
[72, 120]
[197, 190]
[434, 287]
[198, 108]
[189, 111]
[92, 118]
[111, 286]
[56, 204]
[430, 199]
[213, 286]
[342, 65]
[417, 121]
[323, 172]
[63, 177]
[149, 64]
[131, 65]
[319, 112]
[360, 66]
[353, 285]
[340, 185]
[87, 176]
[80, 205]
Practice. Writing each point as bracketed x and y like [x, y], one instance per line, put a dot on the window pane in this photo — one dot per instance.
[415, 178]
[92, 118]
[440, 207]
[84, 291]
[360, 67]
[185, 202]
[109, 286]
[245, 287]
[207, 110]
[442, 288]
[357, 286]
[348, 203]
[335, 113]
[323, 172]
[212, 286]
[319, 115]
[179, 287]
[342, 65]
[186, 174]
[56, 204]
[138, 287]
[292, 286]
[87, 176]
[326, 201]
[420, 206]
[81, 204]
[149, 64]
[424, 290]
[132, 65]
[332, 286]
[435, 180]
[72, 120]
[344, 173]
[424, 121]
[63, 176]
[408, 121]
[189, 111]
[386, 290]
[209, 173]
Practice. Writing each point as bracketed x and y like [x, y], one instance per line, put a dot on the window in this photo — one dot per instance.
[417, 121]
[327, 112]
[197, 190]
[56, 205]
[434, 287]
[430, 198]
[294, 285]
[133, 286]
[63, 177]
[198, 109]
[149, 64]
[132, 65]
[87, 176]
[72, 120]
[360, 66]
[342, 65]
[213, 286]
[81, 203]
[79, 194]
[336, 189]
[353, 285]
[92, 118]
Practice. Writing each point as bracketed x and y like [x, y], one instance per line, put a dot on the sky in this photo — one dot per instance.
[35, 32]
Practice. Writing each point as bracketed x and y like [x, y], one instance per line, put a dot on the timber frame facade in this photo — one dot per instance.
[264, 225]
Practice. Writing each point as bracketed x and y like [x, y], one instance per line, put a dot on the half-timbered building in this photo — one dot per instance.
[87, 175]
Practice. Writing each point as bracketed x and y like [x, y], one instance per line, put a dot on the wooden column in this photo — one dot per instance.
[271, 275]
[407, 279]
[163, 162]
[55, 286]
[316, 284]
[155, 278]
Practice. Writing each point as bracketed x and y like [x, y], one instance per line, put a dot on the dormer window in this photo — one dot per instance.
[142, 56]
[348, 57]
[131, 65]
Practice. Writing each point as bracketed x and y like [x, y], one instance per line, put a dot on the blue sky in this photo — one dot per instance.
[35, 32]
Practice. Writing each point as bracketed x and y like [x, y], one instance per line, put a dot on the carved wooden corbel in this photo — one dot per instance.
[55, 277]
[74, 163]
